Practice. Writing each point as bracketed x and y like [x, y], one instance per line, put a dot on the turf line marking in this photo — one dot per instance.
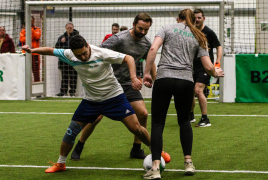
[61, 100]
[33, 113]
[215, 115]
[81, 100]
[137, 169]
[172, 102]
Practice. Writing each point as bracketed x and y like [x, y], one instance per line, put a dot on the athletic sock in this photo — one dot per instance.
[204, 116]
[192, 114]
[80, 144]
[136, 146]
[62, 159]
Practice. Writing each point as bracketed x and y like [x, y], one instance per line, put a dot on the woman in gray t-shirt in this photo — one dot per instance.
[181, 43]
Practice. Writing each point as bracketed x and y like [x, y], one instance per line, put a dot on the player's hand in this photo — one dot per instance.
[219, 71]
[136, 84]
[27, 48]
[217, 64]
[147, 80]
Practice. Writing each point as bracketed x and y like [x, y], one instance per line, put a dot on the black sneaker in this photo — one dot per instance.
[72, 94]
[61, 94]
[203, 123]
[137, 154]
[76, 153]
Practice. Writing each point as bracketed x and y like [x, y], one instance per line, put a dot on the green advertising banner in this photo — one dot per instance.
[251, 78]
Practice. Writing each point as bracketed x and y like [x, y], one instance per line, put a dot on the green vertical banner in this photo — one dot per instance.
[251, 78]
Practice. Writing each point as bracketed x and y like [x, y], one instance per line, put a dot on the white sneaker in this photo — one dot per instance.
[192, 120]
[189, 168]
[151, 174]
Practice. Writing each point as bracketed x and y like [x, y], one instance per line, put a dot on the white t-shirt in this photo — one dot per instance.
[96, 74]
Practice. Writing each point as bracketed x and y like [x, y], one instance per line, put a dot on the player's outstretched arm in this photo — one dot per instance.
[136, 84]
[210, 69]
[41, 50]
[150, 65]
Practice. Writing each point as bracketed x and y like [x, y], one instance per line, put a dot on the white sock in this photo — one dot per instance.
[62, 159]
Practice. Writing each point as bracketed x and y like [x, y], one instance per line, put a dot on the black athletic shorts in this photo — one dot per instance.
[201, 76]
[132, 94]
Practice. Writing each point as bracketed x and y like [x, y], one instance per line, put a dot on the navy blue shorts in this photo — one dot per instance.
[116, 108]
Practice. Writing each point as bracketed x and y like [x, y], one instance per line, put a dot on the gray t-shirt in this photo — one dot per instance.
[180, 47]
[124, 43]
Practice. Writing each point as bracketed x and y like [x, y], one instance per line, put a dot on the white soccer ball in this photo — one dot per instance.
[147, 163]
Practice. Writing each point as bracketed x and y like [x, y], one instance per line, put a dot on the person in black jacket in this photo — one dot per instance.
[68, 73]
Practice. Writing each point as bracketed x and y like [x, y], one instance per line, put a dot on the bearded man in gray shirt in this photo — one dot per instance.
[134, 43]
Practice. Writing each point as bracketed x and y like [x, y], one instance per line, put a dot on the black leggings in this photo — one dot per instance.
[163, 89]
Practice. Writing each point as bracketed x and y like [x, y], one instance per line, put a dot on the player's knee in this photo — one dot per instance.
[142, 116]
[73, 130]
[198, 92]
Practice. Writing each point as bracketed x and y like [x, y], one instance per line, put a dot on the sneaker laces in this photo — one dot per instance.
[53, 164]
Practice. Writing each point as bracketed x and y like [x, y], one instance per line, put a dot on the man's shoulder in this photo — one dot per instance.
[35, 27]
[207, 30]
[108, 35]
[23, 31]
[68, 53]
[8, 37]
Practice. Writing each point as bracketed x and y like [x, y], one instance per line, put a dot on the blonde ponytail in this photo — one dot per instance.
[188, 15]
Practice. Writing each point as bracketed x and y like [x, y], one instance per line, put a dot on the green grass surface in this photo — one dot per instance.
[231, 143]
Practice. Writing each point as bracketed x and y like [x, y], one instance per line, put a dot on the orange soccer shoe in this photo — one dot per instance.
[166, 156]
[57, 167]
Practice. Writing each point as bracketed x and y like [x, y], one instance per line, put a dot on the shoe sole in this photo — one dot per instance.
[207, 125]
[152, 177]
[189, 172]
[75, 159]
[56, 171]
[136, 157]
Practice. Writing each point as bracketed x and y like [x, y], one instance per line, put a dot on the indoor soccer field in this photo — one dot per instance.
[234, 147]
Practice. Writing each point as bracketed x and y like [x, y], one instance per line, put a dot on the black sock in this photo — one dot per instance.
[204, 116]
[136, 146]
[80, 144]
[192, 115]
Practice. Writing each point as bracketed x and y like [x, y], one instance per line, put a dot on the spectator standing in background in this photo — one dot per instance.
[115, 29]
[6, 43]
[201, 78]
[36, 34]
[123, 28]
[68, 73]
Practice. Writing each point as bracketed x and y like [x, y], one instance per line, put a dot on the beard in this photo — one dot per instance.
[199, 25]
[139, 35]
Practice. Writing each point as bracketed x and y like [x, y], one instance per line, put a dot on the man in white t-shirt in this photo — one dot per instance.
[103, 93]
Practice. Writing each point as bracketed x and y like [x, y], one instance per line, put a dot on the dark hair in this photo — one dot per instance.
[123, 28]
[32, 17]
[115, 24]
[189, 17]
[144, 17]
[199, 11]
[77, 42]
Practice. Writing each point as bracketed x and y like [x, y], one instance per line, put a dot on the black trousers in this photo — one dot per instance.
[68, 77]
[36, 68]
[163, 90]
